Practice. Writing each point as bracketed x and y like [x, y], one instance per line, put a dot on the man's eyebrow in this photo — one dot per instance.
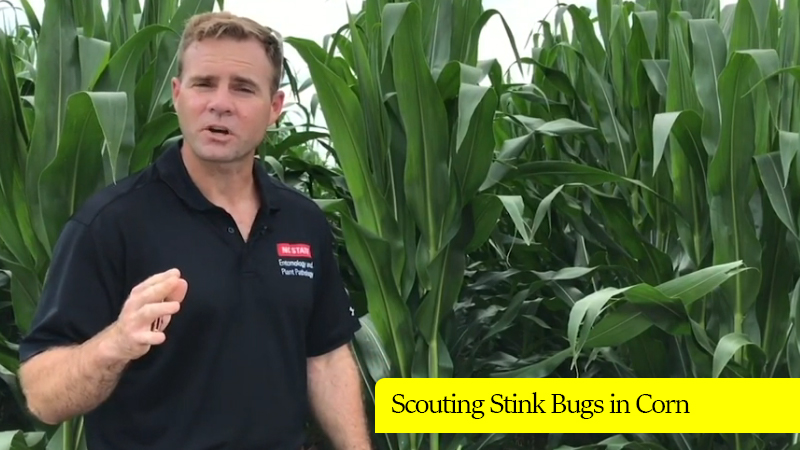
[245, 80]
[206, 78]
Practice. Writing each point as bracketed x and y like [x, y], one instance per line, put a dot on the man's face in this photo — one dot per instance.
[223, 98]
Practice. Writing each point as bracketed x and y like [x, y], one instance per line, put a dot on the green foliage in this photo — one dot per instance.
[630, 214]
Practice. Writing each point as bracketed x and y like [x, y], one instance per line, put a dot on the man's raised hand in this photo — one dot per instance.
[158, 297]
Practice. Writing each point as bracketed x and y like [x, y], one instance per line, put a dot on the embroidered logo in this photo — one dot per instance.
[295, 260]
[294, 250]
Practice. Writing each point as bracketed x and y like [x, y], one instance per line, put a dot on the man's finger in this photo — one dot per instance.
[156, 293]
[150, 337]
[178, 292]
[155, 279]
[150, 313]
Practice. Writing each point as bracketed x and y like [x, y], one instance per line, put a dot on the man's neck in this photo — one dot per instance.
[230, 186]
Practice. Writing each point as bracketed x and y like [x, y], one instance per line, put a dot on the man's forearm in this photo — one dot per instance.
[336, 399]
[65, 382]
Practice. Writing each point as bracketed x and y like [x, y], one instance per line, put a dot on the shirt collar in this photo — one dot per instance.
[173, 171]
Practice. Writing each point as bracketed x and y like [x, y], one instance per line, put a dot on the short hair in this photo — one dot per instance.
[223, 24]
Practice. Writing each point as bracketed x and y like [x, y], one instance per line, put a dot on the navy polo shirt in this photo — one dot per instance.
[232, 372]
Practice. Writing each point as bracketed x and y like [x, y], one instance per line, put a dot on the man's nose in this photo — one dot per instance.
[221, 102]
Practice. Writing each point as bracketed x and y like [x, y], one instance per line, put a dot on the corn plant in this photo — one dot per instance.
[691, 166]
[439, 155]
[690, 176]
[407, 117]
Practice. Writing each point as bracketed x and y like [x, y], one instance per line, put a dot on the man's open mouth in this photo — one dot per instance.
[218, 129]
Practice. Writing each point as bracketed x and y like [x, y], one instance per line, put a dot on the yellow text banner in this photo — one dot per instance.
[587, 405]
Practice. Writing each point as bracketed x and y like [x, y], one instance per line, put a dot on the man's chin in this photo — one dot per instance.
[220, 153]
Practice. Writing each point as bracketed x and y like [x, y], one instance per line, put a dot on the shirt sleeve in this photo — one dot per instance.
[333, 320]
[80, 292]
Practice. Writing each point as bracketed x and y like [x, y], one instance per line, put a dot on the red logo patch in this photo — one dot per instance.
[294, 250]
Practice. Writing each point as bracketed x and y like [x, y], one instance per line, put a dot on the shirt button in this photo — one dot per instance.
[231, 230]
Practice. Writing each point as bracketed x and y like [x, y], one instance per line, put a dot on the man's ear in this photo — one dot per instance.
[176, 89]
[277, 106]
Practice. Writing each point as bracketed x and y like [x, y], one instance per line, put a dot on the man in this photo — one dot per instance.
[197, 304]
